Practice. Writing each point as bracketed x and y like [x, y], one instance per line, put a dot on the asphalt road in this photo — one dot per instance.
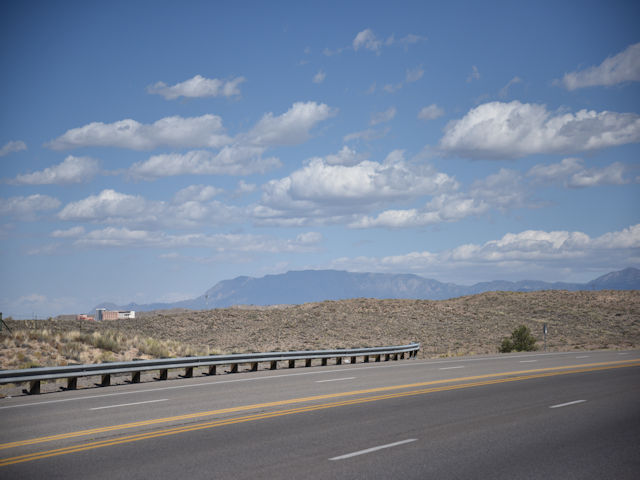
[570, 415]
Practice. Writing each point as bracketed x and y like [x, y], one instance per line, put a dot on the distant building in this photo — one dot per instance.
[104, 314]
[82, 316]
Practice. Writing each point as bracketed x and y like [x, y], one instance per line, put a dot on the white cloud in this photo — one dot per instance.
[231, 160]
[529, 253]
[222, 243]
[346, 156]
[12, 147]
[198, 86]
[510, 130]
[191, 207]
[71, 170]
[414, 75]
[319, 77]
[501, 191]
[203, 131]
[244, 187]
[383, 117]
[573, 174]
[26, 207]
[621, 68]
[367, 39]
[107, 206]
[431, 112]
[291, 128]
[329, 193]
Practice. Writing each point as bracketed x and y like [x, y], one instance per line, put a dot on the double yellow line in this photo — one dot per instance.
[512, 377]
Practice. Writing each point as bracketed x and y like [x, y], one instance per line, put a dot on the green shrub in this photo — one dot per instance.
[521, 341]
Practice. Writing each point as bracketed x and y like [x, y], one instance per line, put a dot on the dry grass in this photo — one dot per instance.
[40, 347]
[462, 326]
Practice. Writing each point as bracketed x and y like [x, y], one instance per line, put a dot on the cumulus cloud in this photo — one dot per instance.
[430, 112]
[12, 147]
[346, 156]
[71, 170]
[231, 160]
[176, 131]
[190, 207]
[291, 128]
[510, 130]
[573, 174]
[499, 191]
[367, 39]
[383, 117]
[26, 207]
[528, 253]
[329, 193]
[621, 68]
[198, 86]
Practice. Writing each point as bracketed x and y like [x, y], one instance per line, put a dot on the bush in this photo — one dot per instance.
[521, 341]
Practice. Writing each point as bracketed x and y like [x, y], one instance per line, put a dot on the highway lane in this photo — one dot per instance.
[85, 409]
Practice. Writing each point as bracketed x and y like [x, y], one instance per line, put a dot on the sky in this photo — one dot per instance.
[151, 149]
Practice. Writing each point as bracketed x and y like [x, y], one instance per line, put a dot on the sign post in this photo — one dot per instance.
[544, 331]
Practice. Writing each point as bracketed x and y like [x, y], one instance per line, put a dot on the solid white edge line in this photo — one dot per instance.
[450, 368]
[129, 404]
[567, 404]
[335, 379]
[373, 449]
[528, 361]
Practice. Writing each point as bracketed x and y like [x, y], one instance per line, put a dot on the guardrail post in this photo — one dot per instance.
[106, 380]
[378, 358]
[387, 357]
[339, 361]
[254, 367]
[234, 368]
[307, 362]
[164, 374]
[324, 362]
[292, 364]
[188, 372]
[72, 383]
[402, 356]
[353, 359]
[274, 365]
[34, 387]
[212, 369]
[135, 377]
[366, 359]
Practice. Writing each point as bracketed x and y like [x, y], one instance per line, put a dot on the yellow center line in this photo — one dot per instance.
[265, 415]
[292, 401]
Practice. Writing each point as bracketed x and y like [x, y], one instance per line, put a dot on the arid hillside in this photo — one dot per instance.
[475, 324]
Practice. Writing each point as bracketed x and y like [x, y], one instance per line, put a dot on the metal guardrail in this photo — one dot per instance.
[72, 372]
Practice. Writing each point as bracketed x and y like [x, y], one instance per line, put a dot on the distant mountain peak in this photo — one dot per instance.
[304, 286]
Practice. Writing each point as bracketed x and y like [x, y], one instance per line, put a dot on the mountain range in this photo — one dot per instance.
[297, 287]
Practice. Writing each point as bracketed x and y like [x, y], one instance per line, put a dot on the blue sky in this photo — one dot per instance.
[151, 149]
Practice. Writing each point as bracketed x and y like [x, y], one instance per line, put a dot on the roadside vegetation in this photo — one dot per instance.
[521, 341]
[28, 348]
